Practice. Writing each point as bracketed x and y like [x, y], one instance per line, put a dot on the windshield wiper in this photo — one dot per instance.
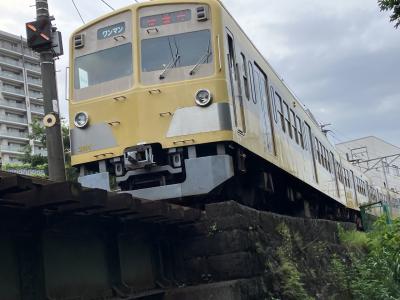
[201, 60]
[171, 64]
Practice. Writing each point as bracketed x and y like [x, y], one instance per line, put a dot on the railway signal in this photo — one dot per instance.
[43, 38]
[38, 34]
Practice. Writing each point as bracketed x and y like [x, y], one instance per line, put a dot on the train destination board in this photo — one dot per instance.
[166, 19]
[110, 31]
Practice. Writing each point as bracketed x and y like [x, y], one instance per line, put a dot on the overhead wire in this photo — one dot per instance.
[105, 2]
[79, 13]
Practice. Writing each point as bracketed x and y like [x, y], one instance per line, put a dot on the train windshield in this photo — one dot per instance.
[175, 51]
[103, 66]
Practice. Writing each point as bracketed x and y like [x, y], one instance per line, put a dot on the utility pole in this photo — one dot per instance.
[41, 37]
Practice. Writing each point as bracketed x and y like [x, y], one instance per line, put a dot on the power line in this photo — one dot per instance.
[107, 4]
[73, 2]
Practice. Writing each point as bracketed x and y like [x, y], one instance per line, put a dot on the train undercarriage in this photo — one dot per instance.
[202, 174]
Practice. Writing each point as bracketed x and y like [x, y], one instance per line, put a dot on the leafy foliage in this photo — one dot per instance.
[291, 277]
[394, 7]
[356, 240]
[39, 135]
[375, 263]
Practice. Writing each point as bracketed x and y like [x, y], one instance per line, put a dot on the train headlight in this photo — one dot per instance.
[81, 119]
[203, 98]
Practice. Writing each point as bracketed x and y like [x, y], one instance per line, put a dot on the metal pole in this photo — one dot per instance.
[55, 149]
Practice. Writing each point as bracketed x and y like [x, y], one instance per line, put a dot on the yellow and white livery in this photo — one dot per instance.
[173, 100]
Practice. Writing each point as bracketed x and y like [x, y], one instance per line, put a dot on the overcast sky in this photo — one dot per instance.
[341, 58]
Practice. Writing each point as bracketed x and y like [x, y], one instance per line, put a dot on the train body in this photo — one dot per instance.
[171, 100]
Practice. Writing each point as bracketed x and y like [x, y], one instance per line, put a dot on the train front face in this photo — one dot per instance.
[149, 101]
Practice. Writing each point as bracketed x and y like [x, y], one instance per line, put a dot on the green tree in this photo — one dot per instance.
[394, 7]
[39, 135]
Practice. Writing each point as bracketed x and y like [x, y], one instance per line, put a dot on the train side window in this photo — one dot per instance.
[307, 138]
[294, 127]
[279, 108]
[339, 171]
[320, 155]
[231, 55]
[245, 76]
[252, 83]
[342, 175]
[325, 157]
[274, 108]
[300, 131]
[328, 161]
[256, 83]
[323, 154]
[317, 150]
[287, 118]
[348, 179]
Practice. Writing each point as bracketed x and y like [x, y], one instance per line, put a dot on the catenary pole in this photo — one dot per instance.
[55, 151]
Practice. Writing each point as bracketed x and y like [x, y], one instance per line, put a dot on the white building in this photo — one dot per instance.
[21, 98]
[378, 159]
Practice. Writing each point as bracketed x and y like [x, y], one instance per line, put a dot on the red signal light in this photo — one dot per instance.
[31, 27]
[38, 34]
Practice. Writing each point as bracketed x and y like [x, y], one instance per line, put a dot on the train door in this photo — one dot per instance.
[310, 141]
[335, 172]
[266, 109]
[353, 181]
[236, 88]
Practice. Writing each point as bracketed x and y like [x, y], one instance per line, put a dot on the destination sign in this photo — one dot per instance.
[110, 31]
[166, 19]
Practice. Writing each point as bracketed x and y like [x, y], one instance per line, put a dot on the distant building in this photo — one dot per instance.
[21, 98]
[379, 159]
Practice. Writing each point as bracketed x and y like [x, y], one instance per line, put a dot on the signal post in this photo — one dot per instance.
[43, 38]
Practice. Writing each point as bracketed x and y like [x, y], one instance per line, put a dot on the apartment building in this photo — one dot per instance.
[21, 99]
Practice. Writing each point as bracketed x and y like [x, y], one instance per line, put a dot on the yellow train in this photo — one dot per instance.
[171, 100]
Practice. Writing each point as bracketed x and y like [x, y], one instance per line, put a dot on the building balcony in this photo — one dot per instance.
[10, 62]
[33, 68]
[37, 100]
[9, 47]
[40, 152]
[14, 135]
[31, 53]
[10, 75]
[37, 110]
[36, 82]
[14, 91]
[14, 120]
[12, 149]
[34, 94]
[11, 104]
